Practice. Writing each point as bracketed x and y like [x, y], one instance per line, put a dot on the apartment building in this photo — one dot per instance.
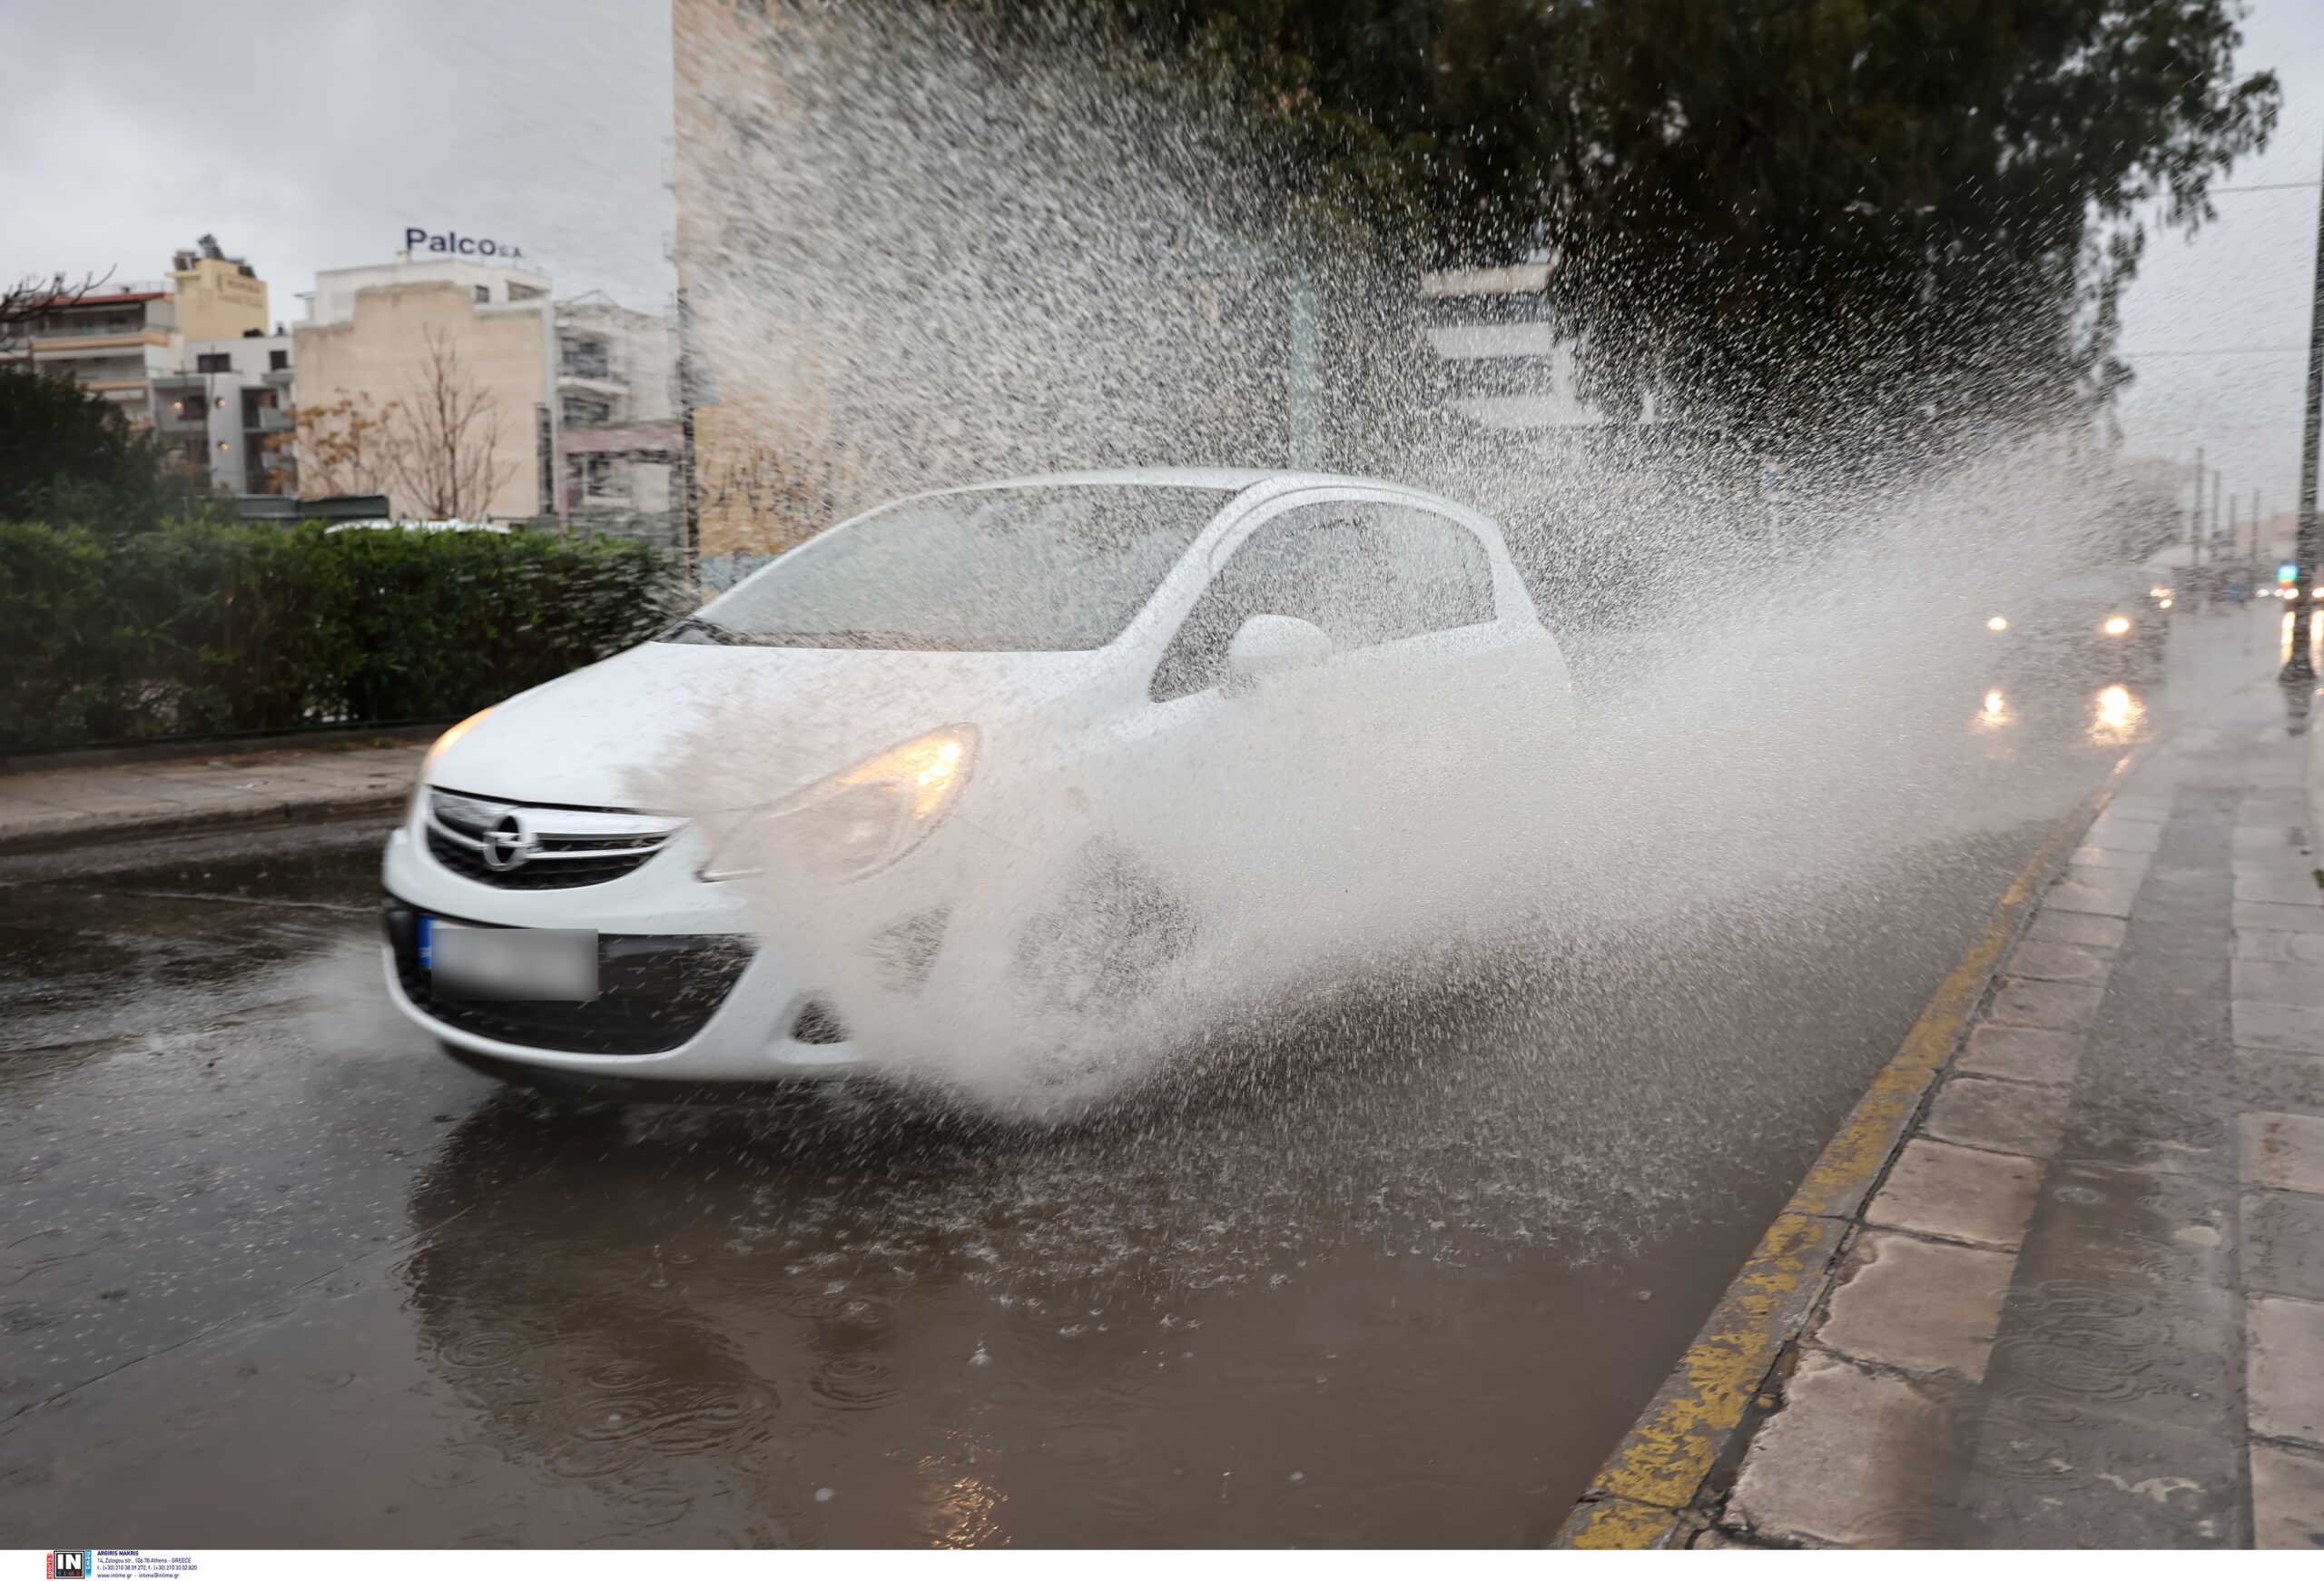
[189, 358]
[465, 351]
[113, 343]
[523, 408]
[618, 443]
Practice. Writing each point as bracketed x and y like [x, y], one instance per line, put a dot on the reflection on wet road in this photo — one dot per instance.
[277, 1274]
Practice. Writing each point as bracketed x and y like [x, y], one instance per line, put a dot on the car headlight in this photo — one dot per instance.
[1998, 623]
[454, 734]
[2116, 624]
[860, 819]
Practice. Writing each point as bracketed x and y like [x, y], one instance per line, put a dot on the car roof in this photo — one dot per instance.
[1226, 480]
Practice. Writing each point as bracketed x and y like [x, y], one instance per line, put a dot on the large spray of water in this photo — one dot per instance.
[918, 260]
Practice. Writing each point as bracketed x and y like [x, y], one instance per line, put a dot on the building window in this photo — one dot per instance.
[279, 358]
[604, 478]
[585, 359]
[484, 294]
[587, 408]
[524, 293]
[213, 362]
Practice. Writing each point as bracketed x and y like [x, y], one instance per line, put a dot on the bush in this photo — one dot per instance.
[203, 629]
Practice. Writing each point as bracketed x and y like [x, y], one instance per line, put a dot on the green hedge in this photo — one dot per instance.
[204, 628]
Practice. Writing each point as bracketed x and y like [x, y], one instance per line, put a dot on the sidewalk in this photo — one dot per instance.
[2083, 1305]
[44, 808]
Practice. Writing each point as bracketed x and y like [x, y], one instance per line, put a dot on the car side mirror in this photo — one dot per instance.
[1271, 645]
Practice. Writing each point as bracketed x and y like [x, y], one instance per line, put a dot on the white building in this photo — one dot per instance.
[1510, 369]
[576, 398]
[618, 444]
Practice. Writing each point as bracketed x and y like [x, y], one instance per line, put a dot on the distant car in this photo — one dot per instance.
[2108, 624]
[1037, 738]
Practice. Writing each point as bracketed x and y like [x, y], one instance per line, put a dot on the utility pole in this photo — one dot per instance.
[2195, 517]
[2210, 544]
[2300, 669]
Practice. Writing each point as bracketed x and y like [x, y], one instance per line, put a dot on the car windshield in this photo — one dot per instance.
[990, 571]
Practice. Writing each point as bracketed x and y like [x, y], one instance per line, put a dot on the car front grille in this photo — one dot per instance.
[655, 991]
[518, 846]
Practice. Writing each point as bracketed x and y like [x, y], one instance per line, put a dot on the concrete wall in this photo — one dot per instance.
[217, 302]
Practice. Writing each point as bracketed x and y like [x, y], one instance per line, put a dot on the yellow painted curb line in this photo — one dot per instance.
[1658, 1470]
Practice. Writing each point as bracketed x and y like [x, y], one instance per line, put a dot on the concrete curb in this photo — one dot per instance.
[1658, 1487]
[101, 830]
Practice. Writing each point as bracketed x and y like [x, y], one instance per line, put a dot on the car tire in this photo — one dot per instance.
[1104, 940]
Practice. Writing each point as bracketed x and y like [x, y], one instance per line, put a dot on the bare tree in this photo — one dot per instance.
[447, 430]
[32, 297]
[346, 446]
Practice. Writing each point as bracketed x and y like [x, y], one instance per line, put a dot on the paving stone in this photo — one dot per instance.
[2055, 962]
[2284, 1152]
[1958, 1193]
[2286, 840]
[2105, 1226]
[2286, 1340]
[2282, 1244]
[2278, 889]
[2272, 982]
[2113, 834]
[2287, 1498]
[2059, 1006]
[1844, 1461]
[2268, 945]
[2112, 901]
[1919, 1306]
[2083, 928]
[2131, 862]
[2200, 970]
[2283, 1084]
[2023, 1053]
[2277, 1026]
[2124, 879]
[2053, 1477]
[1999, 1116]
[2295, 919]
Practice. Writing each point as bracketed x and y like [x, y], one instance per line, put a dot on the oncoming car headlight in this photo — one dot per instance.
[2116, 624]
[860, 820]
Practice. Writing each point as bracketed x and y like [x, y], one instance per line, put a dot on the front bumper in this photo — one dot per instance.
[688, 995]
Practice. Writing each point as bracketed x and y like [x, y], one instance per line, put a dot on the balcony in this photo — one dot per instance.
[276, 420]
[97, 331]
[280, 378]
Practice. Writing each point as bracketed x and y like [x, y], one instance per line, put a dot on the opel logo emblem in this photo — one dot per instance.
[509, 843]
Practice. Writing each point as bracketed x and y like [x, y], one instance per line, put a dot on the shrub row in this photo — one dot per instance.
[210, 629]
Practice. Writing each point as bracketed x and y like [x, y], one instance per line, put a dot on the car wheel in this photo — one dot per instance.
[1104, 941]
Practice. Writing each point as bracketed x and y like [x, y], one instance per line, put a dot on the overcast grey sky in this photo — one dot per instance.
[308, 136]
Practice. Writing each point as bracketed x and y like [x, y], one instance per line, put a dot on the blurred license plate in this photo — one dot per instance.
[465, 963]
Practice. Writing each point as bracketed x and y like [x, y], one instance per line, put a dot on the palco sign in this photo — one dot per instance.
[418, 237]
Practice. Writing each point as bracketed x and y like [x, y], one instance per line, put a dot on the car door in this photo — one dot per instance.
[1290, 794]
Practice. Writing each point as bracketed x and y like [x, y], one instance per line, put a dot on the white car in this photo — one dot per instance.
[1041, 746]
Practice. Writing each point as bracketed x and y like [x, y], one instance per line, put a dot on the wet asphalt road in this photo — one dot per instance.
[273, 1273]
